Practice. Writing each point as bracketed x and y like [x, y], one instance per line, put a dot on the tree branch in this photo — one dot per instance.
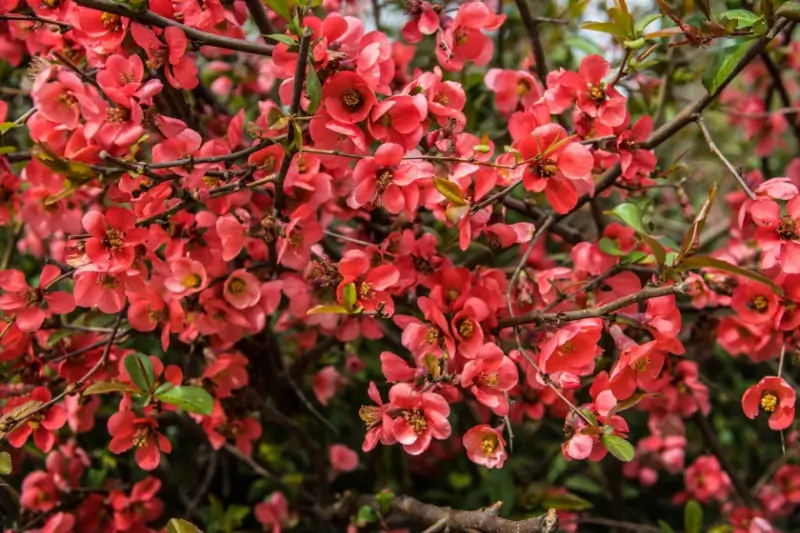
[717, 152]
[149, 18]
[537, 317]
[780, 88]
[532, 27]
[485, 521]
[256, 8]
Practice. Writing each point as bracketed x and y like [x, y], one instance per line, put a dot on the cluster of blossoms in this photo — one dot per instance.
[312, 226]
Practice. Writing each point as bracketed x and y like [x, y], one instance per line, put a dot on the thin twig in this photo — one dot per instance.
[63, 26]
[716, 151]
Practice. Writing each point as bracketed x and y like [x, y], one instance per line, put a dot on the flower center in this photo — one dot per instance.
[417, 421]
[466, 328]
[641, 364]
[769, 402]
[192, 281]
[302, 165]
[113, 239]
[365, 290]
[489, 444]
[440, 99]
[370, 414]
[432, 335]
[545, 168]
[33, 297]
[111, 21]
[108, 282]
[452, 295]
[296, 240]
[566, 349]
[385, 177]
[211, 181]
[787, 229]
[159, 57]
[35, 421]
[116, 115]
[67, 98]
[758, 303]
[52, 3]
[386, 120]
[597, 93]
[352, 99]
[140, 437]
[236, 286]
[490, 380]
[460, 38]
[523, 87]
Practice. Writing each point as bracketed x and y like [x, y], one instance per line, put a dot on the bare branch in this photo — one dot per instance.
[716, 151]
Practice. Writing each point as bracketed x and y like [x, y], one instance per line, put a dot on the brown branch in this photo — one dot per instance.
[780, 88]
[717, 152]
[150, 18]
[485, 521]
[256, 8]
[532, 27]
[62, 26]
[294, 107]
[537, 317]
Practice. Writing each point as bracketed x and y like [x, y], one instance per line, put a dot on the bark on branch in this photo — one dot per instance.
[484, 520]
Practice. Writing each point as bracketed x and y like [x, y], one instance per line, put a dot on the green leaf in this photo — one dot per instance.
[366, 515]
[704, 261]
[618, 447]
[5, 463]
[631, 216]
[281, 7]
[7, 150]
[104, 387]
[583, 484]
[179, 525]
[140, 369]
[565, 501]
[665, 528]
[349, 297]
[722, 528]
[460, 480]
[313, 90]
[189, 398]
[693, 517]
[283, 38]
[724, 64]
[608, 246]
[326, 309]
[384, 499]
[450, 190]
[164, 387]
[6, 126]
[588, 414]
[743, 18]
[586, 46]
[645, 21]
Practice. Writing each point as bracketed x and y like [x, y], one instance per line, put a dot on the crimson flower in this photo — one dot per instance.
[127, 431]
[423, 416]
[773, 395]
[31, 306]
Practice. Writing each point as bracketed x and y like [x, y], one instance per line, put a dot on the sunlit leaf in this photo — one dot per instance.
[140, 370]
[450, 190]
[189, 398]
[5, 463]
[618, 447]
[693, 517]
[724, 64]
[327, 309]
[179, 525]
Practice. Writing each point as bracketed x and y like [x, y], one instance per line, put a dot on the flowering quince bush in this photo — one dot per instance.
[399, 266]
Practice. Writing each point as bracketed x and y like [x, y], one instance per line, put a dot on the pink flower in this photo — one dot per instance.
[595, 98]
[491, 375]
[396, 369]
[485, 446]
[634, 160]
[572, 348]
[467, 329]
[512, 88]
[557, 165]
[135, 511]
[371, 282]
[242, 289]
[128, 432]
[104, 290]
[464, 41]
[61, 101]
[27, 302]
[377, 419]
[188, 277]
[398, 119]
[41, 424]
[182, 71]
[705, 480]
[347, 97]
[773, 395]
[342, 458]
[228, 372]
[755, 302]
[233, 235]
[272, 512]
[777, 235]
[388, 178]
[327, 383]
[114, 237]
[423, 416]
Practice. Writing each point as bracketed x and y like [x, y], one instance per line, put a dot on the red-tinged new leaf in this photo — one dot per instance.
[691, 240]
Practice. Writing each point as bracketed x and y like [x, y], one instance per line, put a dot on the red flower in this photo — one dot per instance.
[491, 375]
[26, 302]
[485, 446]
[128, 431]
[342, 458]
[423, 416]
[188, 277]
[182, 71]
[273, 512]
[41, 424]
[388, 178]
[467, 329]
[595, 98]
[114, 237]
[572, 348]
[557, 165]
[377, 419]
[773, 395]
[371, 283]
[134, 512]
[347, 97]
